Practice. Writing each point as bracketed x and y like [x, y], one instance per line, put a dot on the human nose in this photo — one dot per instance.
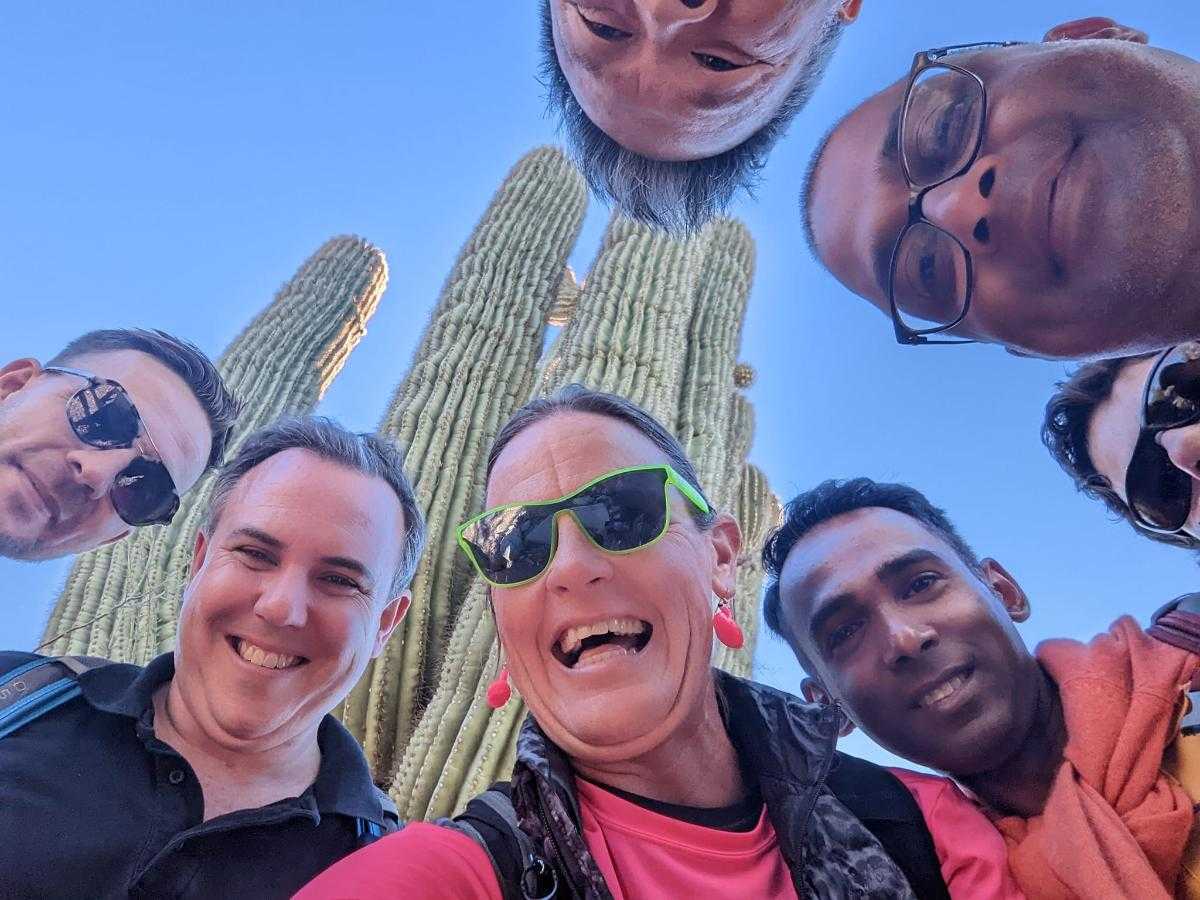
[963, 206]
[907, 639]
[578, 563]
[98, 469]
[1183, 447]
[283, 602]
[679, 12]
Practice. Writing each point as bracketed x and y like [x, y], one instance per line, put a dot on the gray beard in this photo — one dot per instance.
[12, 548]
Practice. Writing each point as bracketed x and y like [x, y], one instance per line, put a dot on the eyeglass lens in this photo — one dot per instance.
[1158, 491]
[942, 126]
[1173, 394]
[620, 513]
[103, 416]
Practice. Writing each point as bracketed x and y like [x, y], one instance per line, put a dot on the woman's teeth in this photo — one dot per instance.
[574, 637]
[261, 657]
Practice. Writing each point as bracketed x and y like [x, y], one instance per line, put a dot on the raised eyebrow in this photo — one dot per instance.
[895, 566]
[827, 610]
[257, 534]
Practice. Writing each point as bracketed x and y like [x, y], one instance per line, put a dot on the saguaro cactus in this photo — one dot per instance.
[658, 321]
[475, 365]
[122, 601]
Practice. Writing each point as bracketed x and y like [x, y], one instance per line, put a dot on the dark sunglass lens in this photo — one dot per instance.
[1159, 493]
[1173, 396]
[512, 545]
[103, 416]
[625, 511]
[144, 494]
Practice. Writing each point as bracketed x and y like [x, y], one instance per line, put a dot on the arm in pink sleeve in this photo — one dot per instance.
[971, 851]
[419, 862]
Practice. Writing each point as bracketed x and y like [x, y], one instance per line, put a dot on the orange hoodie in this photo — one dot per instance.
[1114, 825]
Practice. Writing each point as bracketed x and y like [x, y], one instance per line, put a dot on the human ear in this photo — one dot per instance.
[17, 374]
[815, 692]
[849, 11]
[392, 615]
[1006, 588]
[1094, 28]
[726, 539]
[199, 551]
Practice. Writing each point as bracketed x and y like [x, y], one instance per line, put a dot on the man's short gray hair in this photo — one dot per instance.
[366, 453]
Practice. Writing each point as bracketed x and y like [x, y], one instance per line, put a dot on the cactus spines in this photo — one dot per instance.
[714, 333]
[647, 299]
[757, 511]
[126, 596]
[565, 300]
[475, 365]
[626, 335]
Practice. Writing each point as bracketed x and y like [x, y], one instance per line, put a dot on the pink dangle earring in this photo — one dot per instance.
[728, 631]
[499, 691]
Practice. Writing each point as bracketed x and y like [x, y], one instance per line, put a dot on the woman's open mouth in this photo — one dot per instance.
[585, 645]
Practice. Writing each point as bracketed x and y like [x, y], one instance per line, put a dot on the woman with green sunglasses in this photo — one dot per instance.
[641, 770]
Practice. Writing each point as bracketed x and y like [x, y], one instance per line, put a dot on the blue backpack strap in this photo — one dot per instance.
[36, 687]
[367, 830]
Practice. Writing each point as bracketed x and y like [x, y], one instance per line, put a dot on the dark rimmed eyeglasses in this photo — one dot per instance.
[103, 415]
[938, 136]
[1157, 492]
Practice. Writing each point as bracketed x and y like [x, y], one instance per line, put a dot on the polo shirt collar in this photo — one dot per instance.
[343, 785]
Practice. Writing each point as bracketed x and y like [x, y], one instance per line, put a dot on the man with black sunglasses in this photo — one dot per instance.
[1127, 431]
[105, 437]
[1040, 196]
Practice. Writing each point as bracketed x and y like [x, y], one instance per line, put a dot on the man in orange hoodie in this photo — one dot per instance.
[1075, 752]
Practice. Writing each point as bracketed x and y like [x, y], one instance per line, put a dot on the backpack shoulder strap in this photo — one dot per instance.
[889, 811]
[38, 686]
[368, 831]
[1178, 623]
[491, 821]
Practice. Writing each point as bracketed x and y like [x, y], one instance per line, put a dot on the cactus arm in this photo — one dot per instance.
[281, 363]
[474, 366]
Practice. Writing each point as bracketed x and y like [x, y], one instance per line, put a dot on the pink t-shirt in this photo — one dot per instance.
[642, 854]
[646, 854]
[972, 852]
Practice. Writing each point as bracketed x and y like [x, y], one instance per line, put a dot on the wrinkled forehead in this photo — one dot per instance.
[558, 454]
[1116, 424]
[845, 553]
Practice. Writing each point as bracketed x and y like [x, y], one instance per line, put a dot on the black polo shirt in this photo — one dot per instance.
[92, 804]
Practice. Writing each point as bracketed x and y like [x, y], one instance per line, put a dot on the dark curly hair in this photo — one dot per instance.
[1065, 434]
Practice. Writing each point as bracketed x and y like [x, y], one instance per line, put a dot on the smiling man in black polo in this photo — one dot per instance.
[216, 770]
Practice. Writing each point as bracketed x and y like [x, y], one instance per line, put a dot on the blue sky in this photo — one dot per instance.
[170, 165]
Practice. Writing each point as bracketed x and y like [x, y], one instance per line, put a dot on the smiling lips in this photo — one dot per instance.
[945, 688]
[265, 658]
[585, 645]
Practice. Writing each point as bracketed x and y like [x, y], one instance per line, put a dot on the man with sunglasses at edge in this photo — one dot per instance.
[1085, 755]
[103, 438]
[1040, 196]
[216, 770]
[1127, 431]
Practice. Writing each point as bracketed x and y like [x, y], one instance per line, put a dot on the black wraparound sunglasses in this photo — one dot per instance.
[1159, 493]
[102, 415]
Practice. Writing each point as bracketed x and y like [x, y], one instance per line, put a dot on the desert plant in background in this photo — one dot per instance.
[122, 601]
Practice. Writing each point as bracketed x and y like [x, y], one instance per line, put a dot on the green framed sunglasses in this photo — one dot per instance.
[621, 511]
